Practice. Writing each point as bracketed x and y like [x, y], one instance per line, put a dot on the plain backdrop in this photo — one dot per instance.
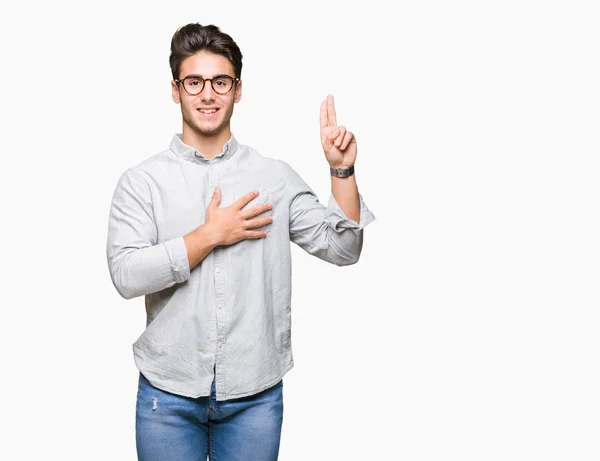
[469, 328]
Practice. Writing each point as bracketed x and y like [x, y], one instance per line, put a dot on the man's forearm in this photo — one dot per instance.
[199, 243]
[345, 192]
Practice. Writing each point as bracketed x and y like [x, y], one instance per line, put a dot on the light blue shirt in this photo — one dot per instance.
[230, 316]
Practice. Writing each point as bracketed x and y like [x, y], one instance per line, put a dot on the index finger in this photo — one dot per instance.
[331, 110]
[246, 199]
[323, 116]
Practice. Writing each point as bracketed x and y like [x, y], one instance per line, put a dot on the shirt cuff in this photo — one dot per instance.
[177, 252]
[338, 221]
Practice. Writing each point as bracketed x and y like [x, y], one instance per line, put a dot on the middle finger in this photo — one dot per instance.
[256, 210]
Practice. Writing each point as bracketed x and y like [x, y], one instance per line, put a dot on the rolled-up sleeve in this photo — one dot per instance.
[139, 265]
[325, 232]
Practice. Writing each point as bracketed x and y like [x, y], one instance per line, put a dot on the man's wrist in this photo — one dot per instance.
[342, 171]
[208, 236]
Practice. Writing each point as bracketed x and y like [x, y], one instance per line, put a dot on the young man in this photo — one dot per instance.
[203, 231]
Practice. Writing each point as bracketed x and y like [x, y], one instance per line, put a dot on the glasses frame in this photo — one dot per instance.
[234, 81]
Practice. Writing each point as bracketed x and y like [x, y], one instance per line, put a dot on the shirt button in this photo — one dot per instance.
[220, 345]
[218, 271]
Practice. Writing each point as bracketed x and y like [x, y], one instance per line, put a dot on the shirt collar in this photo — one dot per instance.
[189, 153]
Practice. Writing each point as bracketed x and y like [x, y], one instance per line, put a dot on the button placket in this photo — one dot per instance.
[219, 277]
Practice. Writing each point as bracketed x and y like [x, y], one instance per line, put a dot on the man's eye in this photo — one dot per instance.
[194, 82]
[220, 82]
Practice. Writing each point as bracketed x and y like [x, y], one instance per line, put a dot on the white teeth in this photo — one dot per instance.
[212, 111]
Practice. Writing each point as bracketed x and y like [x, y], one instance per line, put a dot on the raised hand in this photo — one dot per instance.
[231, 224]
[338, 144]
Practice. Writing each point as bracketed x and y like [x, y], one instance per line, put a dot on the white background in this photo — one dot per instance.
[469, 328]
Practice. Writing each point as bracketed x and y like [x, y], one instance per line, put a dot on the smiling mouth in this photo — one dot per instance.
[208, 111]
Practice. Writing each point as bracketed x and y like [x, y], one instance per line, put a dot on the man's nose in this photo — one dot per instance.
[207, 92]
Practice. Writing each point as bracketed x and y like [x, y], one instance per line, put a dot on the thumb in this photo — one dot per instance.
[216, 197]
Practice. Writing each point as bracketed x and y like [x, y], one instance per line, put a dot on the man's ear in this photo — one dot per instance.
[238, 91]
[175, 92]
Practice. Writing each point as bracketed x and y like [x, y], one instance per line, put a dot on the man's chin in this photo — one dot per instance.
[207, 130]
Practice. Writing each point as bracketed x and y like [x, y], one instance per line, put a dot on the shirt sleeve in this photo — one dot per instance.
[139, 265]
[325, 232]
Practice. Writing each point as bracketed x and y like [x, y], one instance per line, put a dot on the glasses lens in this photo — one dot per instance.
[193, 85]
[222, 85]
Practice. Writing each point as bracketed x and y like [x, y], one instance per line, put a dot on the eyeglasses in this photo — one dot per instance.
[194, 84]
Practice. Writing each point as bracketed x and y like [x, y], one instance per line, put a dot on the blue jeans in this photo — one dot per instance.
[170, 427]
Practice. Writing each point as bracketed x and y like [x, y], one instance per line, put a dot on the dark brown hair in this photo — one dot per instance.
[194, 37]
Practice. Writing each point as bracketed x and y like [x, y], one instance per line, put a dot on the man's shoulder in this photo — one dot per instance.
[147, 171]
[261, 158]
[157, 159]
[154, 163]
[270, 159]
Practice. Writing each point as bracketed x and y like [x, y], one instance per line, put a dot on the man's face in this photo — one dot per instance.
[193, 108]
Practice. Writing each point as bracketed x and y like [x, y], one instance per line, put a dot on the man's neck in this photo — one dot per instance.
[208, 146]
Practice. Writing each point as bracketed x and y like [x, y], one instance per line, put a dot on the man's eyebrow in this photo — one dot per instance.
[202, 77]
